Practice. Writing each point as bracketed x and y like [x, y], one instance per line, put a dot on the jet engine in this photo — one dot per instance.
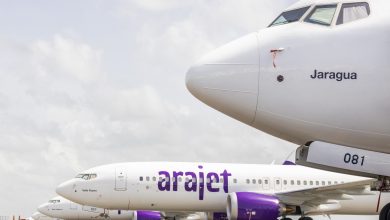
[147, 215]
[255, 206]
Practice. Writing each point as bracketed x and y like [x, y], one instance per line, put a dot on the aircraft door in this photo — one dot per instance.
[120, 180]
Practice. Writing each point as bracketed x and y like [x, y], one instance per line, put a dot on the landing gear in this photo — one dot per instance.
[385, 213]
[305, 218]
[286, 219]
[383, 184]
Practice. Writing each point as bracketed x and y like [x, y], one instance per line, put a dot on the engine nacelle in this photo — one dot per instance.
[217, 216]
[254, 206]
[147, 215]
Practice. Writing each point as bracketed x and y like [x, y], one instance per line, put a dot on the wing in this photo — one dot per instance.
[322, 200]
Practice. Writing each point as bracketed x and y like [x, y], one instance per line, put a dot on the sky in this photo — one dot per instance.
[86, 83]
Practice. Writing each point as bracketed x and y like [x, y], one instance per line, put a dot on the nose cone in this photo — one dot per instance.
[67, 190]
[44, 209]
[227, 78]
[35, 216]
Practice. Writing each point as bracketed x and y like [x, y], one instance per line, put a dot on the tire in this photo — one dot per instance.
[305, 218]
[385, 213]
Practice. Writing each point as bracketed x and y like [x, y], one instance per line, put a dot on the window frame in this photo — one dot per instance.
[344, 5]
[315, 7]
[309, 8]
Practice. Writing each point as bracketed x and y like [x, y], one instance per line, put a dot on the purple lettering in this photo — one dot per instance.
[210, 178]
[205, 181]
[192, 177]
[165, 179]
[201, 184]
[225, 176]
[175, 179]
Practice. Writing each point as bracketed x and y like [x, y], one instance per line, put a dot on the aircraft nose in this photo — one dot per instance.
[227, 78]
[67, 189]
[43, 208]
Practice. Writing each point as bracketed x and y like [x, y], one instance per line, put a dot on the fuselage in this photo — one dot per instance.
[307, 80]
[169, 186]
[61, 208]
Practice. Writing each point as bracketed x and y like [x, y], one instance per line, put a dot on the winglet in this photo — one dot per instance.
[287, 163]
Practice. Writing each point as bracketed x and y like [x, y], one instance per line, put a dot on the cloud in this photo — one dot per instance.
[157, 5]
[67, 58]
[42, 90]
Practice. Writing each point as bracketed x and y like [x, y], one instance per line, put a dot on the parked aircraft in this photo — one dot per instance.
[59, 207]
[242, 191]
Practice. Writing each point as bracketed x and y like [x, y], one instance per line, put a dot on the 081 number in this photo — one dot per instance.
[354, 159]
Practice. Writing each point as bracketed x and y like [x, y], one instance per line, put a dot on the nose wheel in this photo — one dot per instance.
[305, 218]
[385, 213]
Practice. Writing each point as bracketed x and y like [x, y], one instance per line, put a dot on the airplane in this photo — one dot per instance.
[232, 191]
[59, 207]
[316, 76]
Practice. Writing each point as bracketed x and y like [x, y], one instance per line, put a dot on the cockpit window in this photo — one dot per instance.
[322, 15]
[289, 16]
[54, 201]
[83, 176]
[353, 11]
[86, 176]
[92, 176]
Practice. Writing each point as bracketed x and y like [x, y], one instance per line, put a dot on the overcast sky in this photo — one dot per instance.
[85, 83]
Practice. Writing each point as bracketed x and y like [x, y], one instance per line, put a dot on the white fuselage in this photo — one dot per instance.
[321, 82]
[136, 186]
[62, 208]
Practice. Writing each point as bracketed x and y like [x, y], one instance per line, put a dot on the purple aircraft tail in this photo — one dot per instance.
[287, 162]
